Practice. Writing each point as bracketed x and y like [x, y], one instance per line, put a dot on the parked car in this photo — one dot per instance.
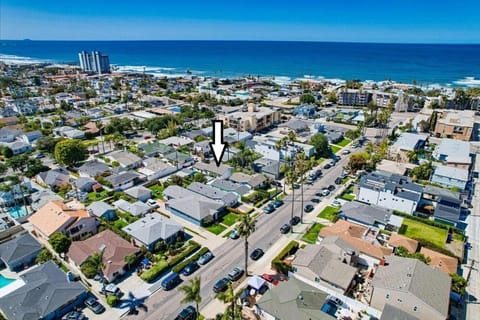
[295, 220]
[285, 228]
[277, 203]
[256, 254]
[331, 187]
[319, 194]
[269, 209]
[345, 152]
[308, 208]
[205, 258]
[190, 268]
[94, 305]
[235, 274]
[268, 277]
[221, 285]
[315, 200]
[171, 281]
[338, 180]
[234, 234]
[325, 192]
[111, 290]
[189, 313]
[152, 203]
[336, 204]
[74, 315]
[296, 186]
[327, 166]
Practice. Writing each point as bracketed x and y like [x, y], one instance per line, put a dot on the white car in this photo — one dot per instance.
[152, 203]
[336, 204]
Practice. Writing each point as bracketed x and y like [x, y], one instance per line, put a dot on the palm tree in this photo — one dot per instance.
[291, 178]
[192, 293]
[292, 136]
[245, 228]
[228, 297]
[301, 166]
[99, 125]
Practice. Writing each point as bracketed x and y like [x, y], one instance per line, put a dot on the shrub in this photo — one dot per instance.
[179, 267]
[403, 229]
[277, 262]
[193, 246]
[155, 271]
[112, 301]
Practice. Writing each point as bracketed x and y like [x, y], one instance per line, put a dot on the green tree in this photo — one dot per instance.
[228, 297]
[307, 98]
[60, 242]
[320, 143]
[192, 293]
[403, 252]
[93, 265]
[332, 97]
[245, 228]
[47, 144]
[199, 177]
[353, 134]
[459, 284]
[358, 161]
[422, 171]
[130, 259]
[70, 152]
[176, 180]
[44, 256]
[7, 152]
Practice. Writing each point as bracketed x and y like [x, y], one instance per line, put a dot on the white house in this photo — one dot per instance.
[450, 177]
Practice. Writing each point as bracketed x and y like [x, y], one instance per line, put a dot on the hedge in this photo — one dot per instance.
[179, 267]
[428, 221]
[112, 300]
[163, 265]
[277, 262]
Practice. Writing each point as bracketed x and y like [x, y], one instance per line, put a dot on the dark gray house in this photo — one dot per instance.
[19, 252]
[46, 294]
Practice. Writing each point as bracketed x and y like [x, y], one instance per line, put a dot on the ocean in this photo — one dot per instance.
[451, 65]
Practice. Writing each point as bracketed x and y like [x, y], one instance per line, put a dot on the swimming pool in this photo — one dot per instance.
[17, 212]
[5, 281]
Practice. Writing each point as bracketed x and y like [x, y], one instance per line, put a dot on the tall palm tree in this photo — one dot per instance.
[192, 293]
[301, 166]
[99, 125]
[245, 228]
[291, 178]
[228, 297]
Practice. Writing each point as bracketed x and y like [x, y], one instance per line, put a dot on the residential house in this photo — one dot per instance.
[229, 186]
[19, 252]
[229, 199]
[9, 134]
[448, 210]
[455, 124]
[305, 111]
[323, 263]
[453, 153]
[253, 181]
[390, 191]
[137, 209]
[391, 312]
[93, 169]
[296, 125]
[407, 142]
[395, 241]
[43, 292]
[54, 178]
[192, 206]
[203, 148]
[18, 147]
[103, 210]
[293, 299]
[153, 228]
[30, 137]
[123, 180]
[139, 193]
[251, 118]
[68, 218]
[114, 248]
[179, 159]
[222, 171]
[154, 169]
[440, 261]
[126, 159]
[85, 184]
[155, 148]
[450, 177]
[42, 197]
[69, 132]
[267, 167]
[363, 239]
[412, 287]
[370, 215]
[177, 142]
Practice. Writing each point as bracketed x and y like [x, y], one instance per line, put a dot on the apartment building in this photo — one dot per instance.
[455, 124]
[250, 118]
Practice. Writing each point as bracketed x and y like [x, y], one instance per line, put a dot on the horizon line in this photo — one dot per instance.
[245, 40]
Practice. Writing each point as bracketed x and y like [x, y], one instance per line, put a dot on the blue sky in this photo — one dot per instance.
[424, 21]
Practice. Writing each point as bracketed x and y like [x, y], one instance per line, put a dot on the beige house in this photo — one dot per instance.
[68, 218]
[412, 287]
[252, 118]
[455, 124]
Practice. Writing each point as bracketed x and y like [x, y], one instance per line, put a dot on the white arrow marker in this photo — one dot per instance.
[217, 146]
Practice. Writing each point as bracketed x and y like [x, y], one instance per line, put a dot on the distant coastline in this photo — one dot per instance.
[426, 64]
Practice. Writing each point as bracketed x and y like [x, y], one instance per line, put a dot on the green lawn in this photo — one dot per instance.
[418, 230]
[97, 196]
[344, 142]
[230, 219]
[216, 228]
[347, 196]
[157, 191]
[329, 213]
[120, 223]
[335, 148]
[312, 234]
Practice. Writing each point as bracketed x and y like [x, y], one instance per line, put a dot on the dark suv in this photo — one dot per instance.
[221, 285]
[189, 313]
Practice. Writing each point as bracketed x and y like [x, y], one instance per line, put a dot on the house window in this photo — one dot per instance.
[387, 296]
[415, 308]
